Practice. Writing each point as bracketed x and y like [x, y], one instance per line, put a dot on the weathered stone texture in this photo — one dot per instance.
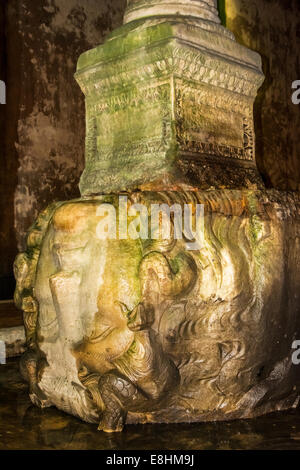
[205, 334]
[14, 339]
[51, 121]
[148, 328]
[42, 143]
[45, 111]
[272, 28]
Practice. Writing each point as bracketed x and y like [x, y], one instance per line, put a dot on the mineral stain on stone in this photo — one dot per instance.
[128, 330]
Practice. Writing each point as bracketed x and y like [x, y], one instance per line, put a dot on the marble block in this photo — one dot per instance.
[198, 9]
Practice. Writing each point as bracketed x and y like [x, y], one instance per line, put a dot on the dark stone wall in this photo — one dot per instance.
[42, 126]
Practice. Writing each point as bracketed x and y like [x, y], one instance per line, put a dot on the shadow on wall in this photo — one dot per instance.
[222, 11]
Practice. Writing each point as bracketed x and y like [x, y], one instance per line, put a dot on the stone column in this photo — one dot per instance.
[169, 97]
[203, 9]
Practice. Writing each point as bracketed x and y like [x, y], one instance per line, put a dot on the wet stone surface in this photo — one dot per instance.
[23, 426]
